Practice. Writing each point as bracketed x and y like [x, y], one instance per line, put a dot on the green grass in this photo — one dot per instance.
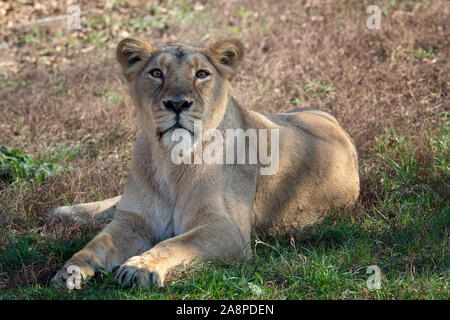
[311, 90]
[14, 166]
[422, 53]
[112, 96]
[317, 87]
[403, 230]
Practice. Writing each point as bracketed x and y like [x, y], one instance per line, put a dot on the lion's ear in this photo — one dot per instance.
[226, 55]
[132, 54]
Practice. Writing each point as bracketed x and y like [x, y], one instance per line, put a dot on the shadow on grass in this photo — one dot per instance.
[321, 262]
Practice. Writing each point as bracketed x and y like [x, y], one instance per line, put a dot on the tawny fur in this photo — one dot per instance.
[172, 214]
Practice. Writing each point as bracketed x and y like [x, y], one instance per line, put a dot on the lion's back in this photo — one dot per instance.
[318, 170]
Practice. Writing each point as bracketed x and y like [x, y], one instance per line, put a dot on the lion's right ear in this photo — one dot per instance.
[132, 55]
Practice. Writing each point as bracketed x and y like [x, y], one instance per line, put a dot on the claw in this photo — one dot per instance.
[128, 276]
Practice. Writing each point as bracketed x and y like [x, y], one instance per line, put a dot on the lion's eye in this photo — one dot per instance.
[202, 74]
[156, 73]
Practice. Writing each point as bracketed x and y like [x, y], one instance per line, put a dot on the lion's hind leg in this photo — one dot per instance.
[98, 211]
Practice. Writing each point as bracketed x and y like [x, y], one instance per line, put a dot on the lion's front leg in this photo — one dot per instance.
[221, 241]
[126, 236]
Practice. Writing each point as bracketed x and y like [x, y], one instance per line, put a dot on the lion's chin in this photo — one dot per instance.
[177, 136]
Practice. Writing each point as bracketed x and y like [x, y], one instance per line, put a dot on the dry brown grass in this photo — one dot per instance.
[294, 49]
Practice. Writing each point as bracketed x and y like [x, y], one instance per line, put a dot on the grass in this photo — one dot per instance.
[14, 166]
[404, 232]
[68, 128]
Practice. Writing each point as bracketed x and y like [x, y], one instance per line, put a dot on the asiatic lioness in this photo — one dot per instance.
[172, 214]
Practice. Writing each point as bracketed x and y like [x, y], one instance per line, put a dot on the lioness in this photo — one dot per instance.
[172, 214]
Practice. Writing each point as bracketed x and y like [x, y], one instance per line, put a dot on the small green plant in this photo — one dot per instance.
[14, 166]
[19, 251]
[6, 84]
[318, 87]
[422, 53]
[61, 89]
[113, 97]
[95, 38]
[235, 30]
[31, 37]
[296, 101]
[241, 13]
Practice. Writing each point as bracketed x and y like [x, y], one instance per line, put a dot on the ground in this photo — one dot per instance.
[67, 130]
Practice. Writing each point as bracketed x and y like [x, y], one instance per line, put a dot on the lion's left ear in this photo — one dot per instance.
[226, 55]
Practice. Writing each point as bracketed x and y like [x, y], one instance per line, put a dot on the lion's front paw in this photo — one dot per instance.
[135, 271]
[60, 279]
[72, 275]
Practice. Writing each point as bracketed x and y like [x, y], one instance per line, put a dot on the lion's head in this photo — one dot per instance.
[177, 84]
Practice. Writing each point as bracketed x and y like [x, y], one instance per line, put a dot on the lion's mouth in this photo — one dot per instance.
[174, 127]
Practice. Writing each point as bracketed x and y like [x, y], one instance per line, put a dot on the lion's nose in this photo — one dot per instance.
[177, 105]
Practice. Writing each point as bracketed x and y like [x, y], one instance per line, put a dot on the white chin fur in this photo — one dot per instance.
[180, 137]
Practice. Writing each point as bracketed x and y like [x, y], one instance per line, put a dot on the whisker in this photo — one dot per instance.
[196, 113]
[162, 116]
